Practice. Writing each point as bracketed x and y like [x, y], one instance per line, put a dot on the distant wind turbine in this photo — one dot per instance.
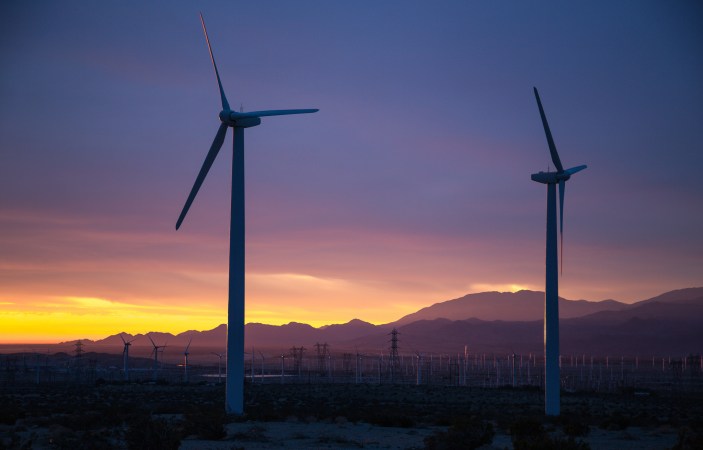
[219, 366]
[238, 121]
[551, 291]
[156, 355]
[125, 357]
[185, 362]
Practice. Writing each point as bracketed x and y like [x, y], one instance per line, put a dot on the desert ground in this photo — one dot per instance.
[329, 416]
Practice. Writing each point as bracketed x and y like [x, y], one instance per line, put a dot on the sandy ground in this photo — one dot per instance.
[330, 416]
[339, 435]
[299, 435]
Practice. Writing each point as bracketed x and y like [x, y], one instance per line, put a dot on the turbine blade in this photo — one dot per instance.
[562, 188]
[573, 170]
[550, 140]
[188, 346]
[275, 112]
[209, 159]
[152, 341]
[225, 103]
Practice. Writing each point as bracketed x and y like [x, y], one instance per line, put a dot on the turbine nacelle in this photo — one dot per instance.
[556, 177]
[240, 120]
[550, 177]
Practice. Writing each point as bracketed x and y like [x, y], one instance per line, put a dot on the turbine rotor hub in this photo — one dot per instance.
[550, 177]
[239, 120]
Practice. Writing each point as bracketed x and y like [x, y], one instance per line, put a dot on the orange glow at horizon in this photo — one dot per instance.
[308, 299]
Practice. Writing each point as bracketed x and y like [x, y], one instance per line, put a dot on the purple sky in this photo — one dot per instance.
[410, 186]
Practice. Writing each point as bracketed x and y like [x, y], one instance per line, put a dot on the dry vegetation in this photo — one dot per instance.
[157, 416]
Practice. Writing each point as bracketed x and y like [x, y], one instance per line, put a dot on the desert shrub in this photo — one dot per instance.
[526, 427]
[547, 442]
[333, 439]
[64, 438]
[560, 443]
[87, 420]
[8, 416]
[465, 433]
[615, 421]
[529, 434]
[206, 423]
[10, 440]
[689, 439]
[388, 420]
[255, 433]
[147, 433]
[574, 426]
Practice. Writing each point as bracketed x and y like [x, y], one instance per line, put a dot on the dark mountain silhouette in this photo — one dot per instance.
[668, 324]
[507, 306]
[684, 312]
[299, 334]
[209, 338]
[687, 295]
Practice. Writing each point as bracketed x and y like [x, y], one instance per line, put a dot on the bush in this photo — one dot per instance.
[147, 433]
[573, 427]
[206, 423]
[11, 411]
[689, 439]
[615, 421]
[465, 433]
[529, 434]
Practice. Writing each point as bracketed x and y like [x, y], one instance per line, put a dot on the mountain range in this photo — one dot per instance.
[490, 322]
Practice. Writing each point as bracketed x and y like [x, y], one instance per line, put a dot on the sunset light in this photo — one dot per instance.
[409, 187]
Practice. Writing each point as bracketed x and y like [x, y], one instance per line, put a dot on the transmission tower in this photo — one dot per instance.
[393, 365]
[322, 354]
[297, 354]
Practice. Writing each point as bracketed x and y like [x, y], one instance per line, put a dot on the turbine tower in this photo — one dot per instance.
[551, 290]
[125, 357]
[185, 363]
[238, 121]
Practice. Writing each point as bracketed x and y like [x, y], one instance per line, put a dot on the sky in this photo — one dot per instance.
[410, 186]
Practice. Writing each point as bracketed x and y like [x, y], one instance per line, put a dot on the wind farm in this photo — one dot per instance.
[384, 262]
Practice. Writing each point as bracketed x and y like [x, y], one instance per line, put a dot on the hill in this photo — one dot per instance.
[671, 323]
[507, 306]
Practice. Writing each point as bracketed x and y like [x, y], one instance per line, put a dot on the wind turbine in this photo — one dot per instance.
[238, 121]
[125, 356]
[219, 366]
[185, 364]
[156, 355]
[551, 291]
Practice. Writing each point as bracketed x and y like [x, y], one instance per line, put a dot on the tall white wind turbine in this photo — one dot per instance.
[238, 121]
[551, 290]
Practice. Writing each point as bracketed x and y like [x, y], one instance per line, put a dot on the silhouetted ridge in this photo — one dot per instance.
[508, 306]
[671, 323]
